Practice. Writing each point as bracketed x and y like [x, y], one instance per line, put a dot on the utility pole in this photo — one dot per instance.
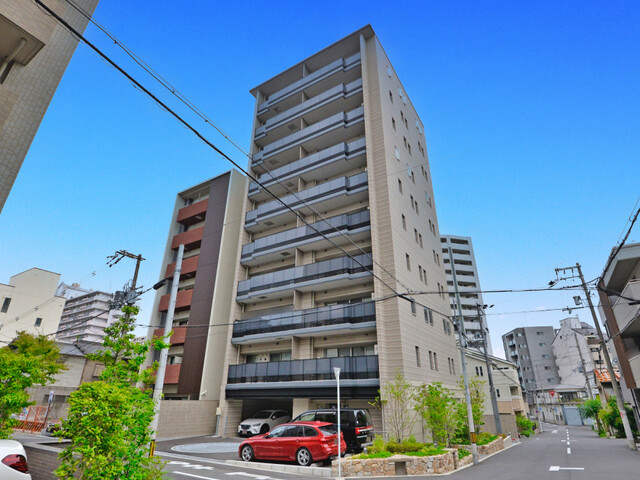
[463, 344]
[119, 255]
[535, 369]
[492, 390]
[584, 369]
[162, 362]
[614, 383]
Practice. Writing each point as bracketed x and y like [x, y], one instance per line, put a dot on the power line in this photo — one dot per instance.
[615, 252]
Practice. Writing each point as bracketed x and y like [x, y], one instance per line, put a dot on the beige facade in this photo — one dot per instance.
[29, 303]
[34, 53]
[337, 139]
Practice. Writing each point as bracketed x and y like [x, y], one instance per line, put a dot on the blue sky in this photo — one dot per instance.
[530, 111]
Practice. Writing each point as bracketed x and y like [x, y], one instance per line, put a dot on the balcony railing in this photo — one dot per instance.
[628, 315]
[314, 273]
[183, 300]
[177, 337]
[320, 194]
[342, 122]
[172, 374]
[337, 66]
[310, 318]
[313, 369]
[339, 158]
[194, 213]
[294, 238]
[191, 239]
[189, 267]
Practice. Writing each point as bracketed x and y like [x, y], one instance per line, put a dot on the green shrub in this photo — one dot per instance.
[377, 445]
[524, 423]
[404, 447]
[485, 437]
[427, 452]
[527, 433]
[374, 455]
[463, 453]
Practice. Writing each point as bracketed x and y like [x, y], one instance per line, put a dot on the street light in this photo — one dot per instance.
[336, 372]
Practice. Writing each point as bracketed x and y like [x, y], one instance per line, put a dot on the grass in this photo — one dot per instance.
[382, 454]
[463, 453]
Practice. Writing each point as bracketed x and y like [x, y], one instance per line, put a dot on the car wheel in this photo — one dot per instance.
[264, 429]
[247, 453]
[303, 457]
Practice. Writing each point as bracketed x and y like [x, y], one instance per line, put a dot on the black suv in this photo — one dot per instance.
[355, 423]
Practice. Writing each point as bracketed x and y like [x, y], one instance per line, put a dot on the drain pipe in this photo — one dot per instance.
[12, 55]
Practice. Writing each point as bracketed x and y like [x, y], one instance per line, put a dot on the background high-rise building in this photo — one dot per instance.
[338, 140]
[464, 264]
[531, 348]
[85, 315]
[34, 53]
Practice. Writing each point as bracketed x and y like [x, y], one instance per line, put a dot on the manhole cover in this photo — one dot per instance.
[213, 447]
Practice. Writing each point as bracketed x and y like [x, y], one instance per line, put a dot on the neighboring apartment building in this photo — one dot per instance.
[348, 149]
[531, 348]
[508, 391]
[29, 302]
[85, 315]
[572, 349]
[34, 53]
[619, 292]
[468, 285]
[207, 221]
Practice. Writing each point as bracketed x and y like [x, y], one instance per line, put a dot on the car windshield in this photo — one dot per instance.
[329, 429]
[262, 414]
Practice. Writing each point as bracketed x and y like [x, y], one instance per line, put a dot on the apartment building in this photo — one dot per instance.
[531, 348]
[467, 284]
[206, 219]
[29, 303]
[34, 53]
[336, 138]
[85, 315]
[619, 292]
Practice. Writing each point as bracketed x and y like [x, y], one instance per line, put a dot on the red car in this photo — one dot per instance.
[302, 442]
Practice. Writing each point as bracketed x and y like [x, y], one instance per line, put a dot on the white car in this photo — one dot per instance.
[261, 422]
[13, 461]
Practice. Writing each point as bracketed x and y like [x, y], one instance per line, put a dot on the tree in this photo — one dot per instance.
[28, 360]
[610, 416]
[395, 399]
[590, 409]
[437, 406]
[476, 391]
[108, 421]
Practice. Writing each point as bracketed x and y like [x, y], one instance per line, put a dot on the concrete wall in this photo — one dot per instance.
[507, 420]
[42, 461]
[186, 418]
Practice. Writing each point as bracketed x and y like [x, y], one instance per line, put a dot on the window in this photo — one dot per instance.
[418, 126]
[412, 201]
[498, 392]
[400, 185]
[393, 123]
[522, 345]
[404, 222]
[413, 307]
[430, 359]
[435, 361]
[545, 355]
[405, 141]
[479, 371]
[542, 344]
[415, 234]
[537, 333]
[390, 96]
[408, 259]
[409, 148]
[420, 240]
[547, 367]
[417, 356]
[420, 271]
[389, 71]
[38, 322]
[280, 357]
[453, 366]
[5, 305]
[397, 153]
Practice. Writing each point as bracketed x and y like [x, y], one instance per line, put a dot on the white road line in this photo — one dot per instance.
[568, 451]
[568, 443]
[193, 476]
[557, 469]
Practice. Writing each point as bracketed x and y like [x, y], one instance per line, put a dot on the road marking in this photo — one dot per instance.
[190, 465]
[554, 431]
[193, 476]
[557, 469]
[252, 475]
[568, 451]
[185, 457]
[568, 443]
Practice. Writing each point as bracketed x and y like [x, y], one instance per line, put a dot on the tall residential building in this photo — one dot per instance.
[338, 141]
[85, 315]
[29, 303]
[207, 221]
[572, 349]
[619, 292]
[531, 348]
[34, 53]
[468, 285]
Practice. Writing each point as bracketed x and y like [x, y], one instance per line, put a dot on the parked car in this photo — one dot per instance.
[261, 422]
[13, 461]
[302, 442]
[355, 423]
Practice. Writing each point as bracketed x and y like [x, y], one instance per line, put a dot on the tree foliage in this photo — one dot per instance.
[108, 421]
[610, 416]
[438, 406]
[396, 400]
[476, 391]
[27, 361]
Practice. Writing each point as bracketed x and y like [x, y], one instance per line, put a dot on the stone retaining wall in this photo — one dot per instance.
[397, 465]
[492, 447]
[465, 461]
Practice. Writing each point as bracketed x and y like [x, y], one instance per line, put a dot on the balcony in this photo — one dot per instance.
[313, 321]
[183, 301]
[359, 377]
[172, 374]
[191, 239]
[326, 163]
[341, 70]
[634, 364]
[332, 130]
[189, 268]
[273, 247]
[194, 213]
[627, 315]
[326, 196]
[178, 336]
[339, 272]
[341, 97]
